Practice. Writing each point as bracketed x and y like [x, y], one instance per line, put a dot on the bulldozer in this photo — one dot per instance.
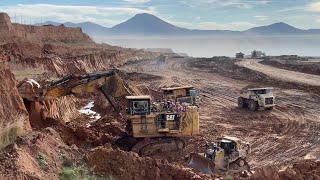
[153, 126]
[229, 153]
[255, 98]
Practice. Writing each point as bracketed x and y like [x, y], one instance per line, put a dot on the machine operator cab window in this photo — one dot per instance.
[258, 91]
[138, 105]
[228, 146]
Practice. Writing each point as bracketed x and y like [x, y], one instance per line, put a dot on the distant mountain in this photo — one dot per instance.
[48, 23]
[277, 28]
[150, 25]
[146, 24]
[87, 27]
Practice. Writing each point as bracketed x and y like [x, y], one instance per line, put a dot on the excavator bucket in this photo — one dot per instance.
[201, 163]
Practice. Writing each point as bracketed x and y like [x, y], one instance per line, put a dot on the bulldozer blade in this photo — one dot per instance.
[201, 163]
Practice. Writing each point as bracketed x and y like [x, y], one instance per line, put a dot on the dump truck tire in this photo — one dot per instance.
[241, 162]
[241, 102]
[180, 145]
[253, 105]
[269, 108]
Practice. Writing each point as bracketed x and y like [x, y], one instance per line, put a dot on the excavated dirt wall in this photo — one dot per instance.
[13, 115]
[19, 32]
[63, 59]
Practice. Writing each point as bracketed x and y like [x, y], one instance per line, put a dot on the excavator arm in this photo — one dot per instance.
[110, 83]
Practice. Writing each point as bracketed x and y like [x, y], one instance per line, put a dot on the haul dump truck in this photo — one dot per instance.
[255, 98]
[161, 60]
[155, 126]
[184, 94]
[229, 153]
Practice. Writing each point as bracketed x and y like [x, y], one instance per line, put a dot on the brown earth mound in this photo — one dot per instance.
[39, 155]
[128, 165]
[308, 169]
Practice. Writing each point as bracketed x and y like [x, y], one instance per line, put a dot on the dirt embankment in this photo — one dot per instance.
[62, 59]
[18, 32]
[128, 165]
[58, 50]
[13, 115]
[294, 65]
[39, 155]
[281, 74]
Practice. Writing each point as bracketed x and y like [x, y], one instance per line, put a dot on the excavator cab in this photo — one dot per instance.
[139, 105]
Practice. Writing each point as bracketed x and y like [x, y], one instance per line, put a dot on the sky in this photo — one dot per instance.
[193, 14]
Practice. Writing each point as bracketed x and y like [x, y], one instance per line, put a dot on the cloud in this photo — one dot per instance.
[180, 23]
[261, 18]
[242, 25]
[137, 1]
[224, 3]
[313, 7]
[61, 13]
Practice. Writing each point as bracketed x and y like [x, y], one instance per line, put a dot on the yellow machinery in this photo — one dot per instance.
[154, 126]
[228, 154]
[168, 120]
[184, 94]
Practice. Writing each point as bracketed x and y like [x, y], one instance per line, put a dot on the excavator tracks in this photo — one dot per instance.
[149, 147]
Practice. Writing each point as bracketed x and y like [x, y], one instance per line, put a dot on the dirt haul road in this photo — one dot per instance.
[289, 133]
[282, 74]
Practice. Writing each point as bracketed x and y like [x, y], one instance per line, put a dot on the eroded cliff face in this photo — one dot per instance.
[13, 115]
[63, 59]
[59, 50]
[19, 32]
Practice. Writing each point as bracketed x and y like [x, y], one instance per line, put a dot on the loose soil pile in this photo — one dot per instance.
[128, 165]
[39, 155]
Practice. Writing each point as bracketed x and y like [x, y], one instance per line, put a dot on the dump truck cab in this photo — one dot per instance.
[254, 98]
[184, 94]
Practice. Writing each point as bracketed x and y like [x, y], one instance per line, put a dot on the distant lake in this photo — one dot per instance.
[224, 46]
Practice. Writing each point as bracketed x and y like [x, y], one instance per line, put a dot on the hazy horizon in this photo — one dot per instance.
[304, 45]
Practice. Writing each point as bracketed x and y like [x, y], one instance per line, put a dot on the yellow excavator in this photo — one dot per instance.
[155, 126]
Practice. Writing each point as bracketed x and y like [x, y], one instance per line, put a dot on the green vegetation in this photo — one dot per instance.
[42, 160]
[10, 131]
[21, 71]
[79, 173]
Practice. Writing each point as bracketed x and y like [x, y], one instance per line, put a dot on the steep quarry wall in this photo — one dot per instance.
[18, 32]
[63, 59]
[59, 50]
[13, 115]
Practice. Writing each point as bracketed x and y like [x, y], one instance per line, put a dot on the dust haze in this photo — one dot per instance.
[304, 45]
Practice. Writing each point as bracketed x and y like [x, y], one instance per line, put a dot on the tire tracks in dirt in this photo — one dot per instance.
[279, 137]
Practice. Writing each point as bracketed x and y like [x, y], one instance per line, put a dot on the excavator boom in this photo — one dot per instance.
[110, 83]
